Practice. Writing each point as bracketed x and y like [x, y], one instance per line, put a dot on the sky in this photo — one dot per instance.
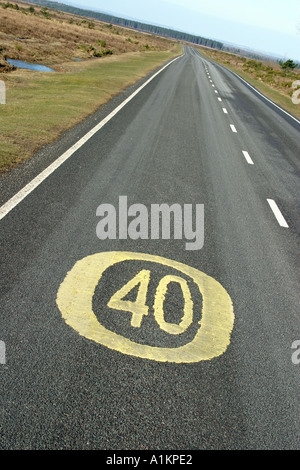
[267, 26]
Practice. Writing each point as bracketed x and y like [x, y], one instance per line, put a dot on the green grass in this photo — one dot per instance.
[278, 90]
[282, 100]
[41, 106]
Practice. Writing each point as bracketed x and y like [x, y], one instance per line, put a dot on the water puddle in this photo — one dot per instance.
[26, 65]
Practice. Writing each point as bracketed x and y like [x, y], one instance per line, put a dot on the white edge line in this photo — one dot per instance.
[263, 96]
[17, 198]
[248, 158]
[276, 211]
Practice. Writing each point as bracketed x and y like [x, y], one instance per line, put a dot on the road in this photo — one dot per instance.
[135, 341]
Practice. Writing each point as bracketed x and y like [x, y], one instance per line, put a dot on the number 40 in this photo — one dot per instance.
[139, 309]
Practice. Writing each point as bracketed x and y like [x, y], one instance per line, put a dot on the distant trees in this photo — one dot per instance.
[136, 25]
[288, 64]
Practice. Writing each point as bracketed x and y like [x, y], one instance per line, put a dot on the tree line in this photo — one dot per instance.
[132, 24]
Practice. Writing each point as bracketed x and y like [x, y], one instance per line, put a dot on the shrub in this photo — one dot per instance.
[288, 64]
[107, 52]
[45, 12]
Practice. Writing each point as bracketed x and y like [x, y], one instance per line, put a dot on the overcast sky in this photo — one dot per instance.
[271, 26]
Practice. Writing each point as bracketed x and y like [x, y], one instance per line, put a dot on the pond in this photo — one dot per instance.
[26, 65]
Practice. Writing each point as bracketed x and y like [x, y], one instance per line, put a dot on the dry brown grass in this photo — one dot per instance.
[62, 37]
[266, 76]
[40, 106]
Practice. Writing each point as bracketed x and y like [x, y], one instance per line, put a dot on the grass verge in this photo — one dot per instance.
[40, 106]
[267, 77]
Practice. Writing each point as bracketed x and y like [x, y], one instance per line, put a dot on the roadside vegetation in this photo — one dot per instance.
[93, 62]
[36, 34]
[275, 80]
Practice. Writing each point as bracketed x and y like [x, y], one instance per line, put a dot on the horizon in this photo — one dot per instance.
[280, 40]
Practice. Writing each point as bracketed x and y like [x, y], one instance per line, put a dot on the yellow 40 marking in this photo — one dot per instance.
[75, 298]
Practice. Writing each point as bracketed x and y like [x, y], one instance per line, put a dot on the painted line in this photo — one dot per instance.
[263, 96]
[225, 111]
[216, 91]
[248, 158]
[213, 86]
[23, 193]
[220, 99]
[233, 128]
[276, 211]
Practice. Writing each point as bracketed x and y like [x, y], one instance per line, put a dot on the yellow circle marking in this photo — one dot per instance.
[75, 296]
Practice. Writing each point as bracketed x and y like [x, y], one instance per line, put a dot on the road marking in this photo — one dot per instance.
[248, 158]
[216, 91]
[211, 81]
[233, 128]
[276, 211]
[263, 96]
[23, 193]
[220, 99]
[214, 326]
[213, 86]
[225, 111]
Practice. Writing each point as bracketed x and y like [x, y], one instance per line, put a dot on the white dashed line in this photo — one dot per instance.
[233, 128]
[267, 99]
[248, 158]
[220, 99]
[276, 211]
[225, 111]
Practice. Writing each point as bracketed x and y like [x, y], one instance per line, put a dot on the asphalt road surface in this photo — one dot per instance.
[149, 339]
